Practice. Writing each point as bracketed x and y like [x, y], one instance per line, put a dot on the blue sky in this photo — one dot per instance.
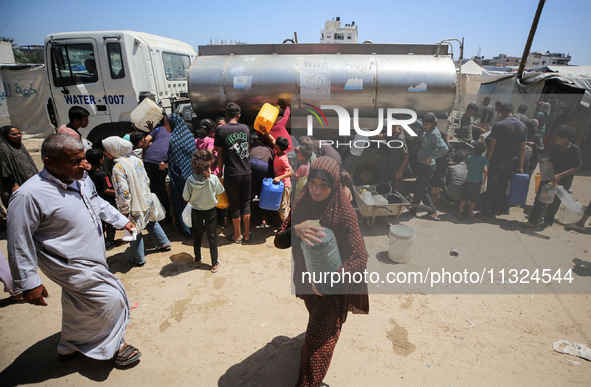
[500, 28]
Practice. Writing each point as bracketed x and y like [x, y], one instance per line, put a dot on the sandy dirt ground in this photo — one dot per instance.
[244, 327]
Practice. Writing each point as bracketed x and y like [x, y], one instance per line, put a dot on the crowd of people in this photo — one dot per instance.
[495, 143]
[64, 218]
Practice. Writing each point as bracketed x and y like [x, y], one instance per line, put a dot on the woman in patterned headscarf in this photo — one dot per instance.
[180, 151]
[323, 200]
[16, 164]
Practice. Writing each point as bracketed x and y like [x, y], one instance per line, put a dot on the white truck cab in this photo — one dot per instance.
[108, 72]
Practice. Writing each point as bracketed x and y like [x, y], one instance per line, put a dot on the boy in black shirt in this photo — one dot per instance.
[566, 160]
[104, 188]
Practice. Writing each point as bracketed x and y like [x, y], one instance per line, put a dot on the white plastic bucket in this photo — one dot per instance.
[401, 239]
[146, 111]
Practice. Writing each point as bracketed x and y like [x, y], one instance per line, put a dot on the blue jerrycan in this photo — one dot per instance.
[518, 190]
[271, 195]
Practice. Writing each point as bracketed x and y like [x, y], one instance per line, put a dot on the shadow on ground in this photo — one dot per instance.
[581, 268]
[276, 364]
[40, 363]
[181, 263]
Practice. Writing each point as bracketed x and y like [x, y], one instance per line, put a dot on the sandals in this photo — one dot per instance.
[199, 262]
[244, 240]
[230, 237]
[126, 355]
[165, 248]
[431, 217]
[18, 299]
[216, 268]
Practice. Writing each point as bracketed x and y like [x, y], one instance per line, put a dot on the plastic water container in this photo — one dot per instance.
[572, 214]
[546, 170]
[547, 195]
[401, 240]
[146, 111]
[358, 150]
[518, 191]
[266, 118]
[324, 256]
[379, 200]
[367, 198]
[271, 195]
[222, 199]
[565, 197]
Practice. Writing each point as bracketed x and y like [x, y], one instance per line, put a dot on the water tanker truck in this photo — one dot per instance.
[333, 89]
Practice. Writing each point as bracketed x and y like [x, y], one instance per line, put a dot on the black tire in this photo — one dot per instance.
[369, 168]
[108, 129]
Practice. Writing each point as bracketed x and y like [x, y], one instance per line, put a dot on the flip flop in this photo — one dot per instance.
[231, 239]
[431, 217]
[214, 269]
[244, 240]
[10, 301]
[124, 356]
[165, 248]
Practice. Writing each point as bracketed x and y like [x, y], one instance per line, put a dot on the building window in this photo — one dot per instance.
[176, 66]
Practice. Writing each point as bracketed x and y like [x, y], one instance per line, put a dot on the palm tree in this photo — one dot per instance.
[20, 56]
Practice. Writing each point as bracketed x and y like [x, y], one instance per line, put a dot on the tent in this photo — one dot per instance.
[23, 98]
[567, 86]
[470, 81]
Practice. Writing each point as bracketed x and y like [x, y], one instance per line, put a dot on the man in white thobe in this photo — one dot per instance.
[54, 223]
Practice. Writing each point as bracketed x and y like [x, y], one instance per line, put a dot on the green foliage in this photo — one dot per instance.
[23, 56]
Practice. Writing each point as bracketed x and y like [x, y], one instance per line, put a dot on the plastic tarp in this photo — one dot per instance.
[23, 99]
[508, 90]
[582, 71]
[470, 78]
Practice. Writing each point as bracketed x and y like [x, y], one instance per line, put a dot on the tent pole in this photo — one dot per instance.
[530, 39]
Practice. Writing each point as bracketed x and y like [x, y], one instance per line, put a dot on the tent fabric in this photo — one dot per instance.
[23, 98]
[584, 71]
[472, 68]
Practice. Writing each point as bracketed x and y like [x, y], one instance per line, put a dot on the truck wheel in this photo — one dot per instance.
[108, 129]
[369, 168]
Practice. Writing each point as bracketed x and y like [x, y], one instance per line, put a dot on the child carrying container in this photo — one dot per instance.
[283, 173]
[477, 170]
[200, 191]
[300, 178]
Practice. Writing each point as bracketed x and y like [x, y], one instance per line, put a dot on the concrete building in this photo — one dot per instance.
[6, 54]
[334, 33]
[539, 59]
[504, 61]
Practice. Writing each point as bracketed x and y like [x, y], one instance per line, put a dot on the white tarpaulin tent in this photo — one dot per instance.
[471, 78]
[23, 97]
[570, 88]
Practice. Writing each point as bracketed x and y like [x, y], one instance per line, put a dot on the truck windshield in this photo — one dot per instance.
[176, 66]
[73, 64]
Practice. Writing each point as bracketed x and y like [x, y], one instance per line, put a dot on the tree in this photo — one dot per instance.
[23, 56]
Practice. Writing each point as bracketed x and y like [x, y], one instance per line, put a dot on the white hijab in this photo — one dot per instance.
[117, 146]
[121, 150]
